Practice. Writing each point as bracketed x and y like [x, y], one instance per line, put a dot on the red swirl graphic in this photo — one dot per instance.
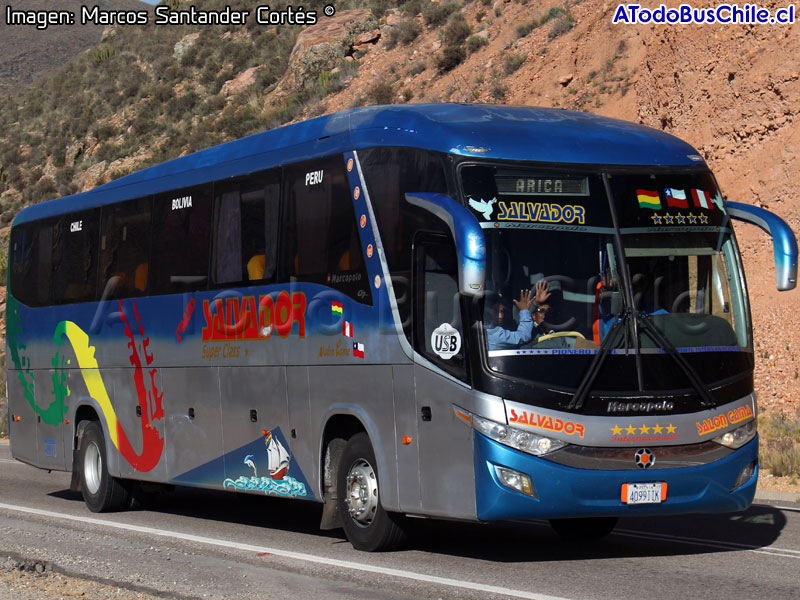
[149, 400]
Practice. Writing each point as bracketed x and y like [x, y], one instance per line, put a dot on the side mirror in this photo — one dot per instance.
[468, 236]
[783, 241]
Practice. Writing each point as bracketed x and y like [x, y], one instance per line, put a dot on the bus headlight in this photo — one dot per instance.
[738, 437]
[526, 441]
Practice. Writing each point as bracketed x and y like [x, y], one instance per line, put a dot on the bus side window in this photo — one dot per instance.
[321, 239]
[438, 330]
[124, 249]
[246, 230]
[182, 227]
[75, 257]
[31, 263]
[389, 174]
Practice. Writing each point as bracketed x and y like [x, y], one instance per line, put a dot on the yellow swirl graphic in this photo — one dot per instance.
[91, 374]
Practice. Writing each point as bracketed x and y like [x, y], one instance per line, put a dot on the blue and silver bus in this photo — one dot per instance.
[314, 312]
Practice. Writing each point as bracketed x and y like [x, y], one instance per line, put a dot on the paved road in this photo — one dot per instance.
[197, 544]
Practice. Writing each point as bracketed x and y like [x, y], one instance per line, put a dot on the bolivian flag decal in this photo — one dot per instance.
[648, 199]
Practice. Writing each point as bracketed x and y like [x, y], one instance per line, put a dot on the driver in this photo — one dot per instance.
[499, 338]
[538, 321]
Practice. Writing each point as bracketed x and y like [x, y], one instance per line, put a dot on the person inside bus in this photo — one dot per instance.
[539, 329]
[499, 338]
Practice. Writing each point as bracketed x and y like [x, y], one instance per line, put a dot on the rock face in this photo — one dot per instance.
[241, 82]
[184, 45]
[322, 47]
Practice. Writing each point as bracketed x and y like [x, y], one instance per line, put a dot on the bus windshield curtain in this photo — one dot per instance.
[228, 239]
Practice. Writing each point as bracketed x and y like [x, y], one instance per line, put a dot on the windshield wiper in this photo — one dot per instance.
[631, 319]
[631, 330]
[597, 363]
[706, 399]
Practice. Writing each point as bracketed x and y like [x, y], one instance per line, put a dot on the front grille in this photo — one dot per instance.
[622, 459]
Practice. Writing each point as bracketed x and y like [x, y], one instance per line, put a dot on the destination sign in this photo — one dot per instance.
[515, 185]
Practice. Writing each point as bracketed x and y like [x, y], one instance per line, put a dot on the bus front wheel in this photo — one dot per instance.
[366, 524]
[101, 491]
[587, 528]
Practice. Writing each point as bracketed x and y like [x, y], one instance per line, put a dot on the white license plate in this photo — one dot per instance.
[644, 493]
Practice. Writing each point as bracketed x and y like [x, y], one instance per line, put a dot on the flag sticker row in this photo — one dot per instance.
[677, 198]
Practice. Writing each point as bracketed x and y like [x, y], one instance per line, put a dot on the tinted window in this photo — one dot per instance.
[182, 226]
[245, 236]
[439, 332]
[322, 244]
[124, 249]
[31, 263]
[75, 251]
[390, 173]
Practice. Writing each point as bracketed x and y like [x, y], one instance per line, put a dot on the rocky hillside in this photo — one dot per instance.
[26, 55]
[146, 94]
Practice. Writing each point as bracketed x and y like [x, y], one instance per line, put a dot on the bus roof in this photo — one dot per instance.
[485, 131]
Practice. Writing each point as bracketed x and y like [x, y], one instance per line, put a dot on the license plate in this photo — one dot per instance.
[644, 493]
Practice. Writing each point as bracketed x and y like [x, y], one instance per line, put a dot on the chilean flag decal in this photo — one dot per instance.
[676, 198]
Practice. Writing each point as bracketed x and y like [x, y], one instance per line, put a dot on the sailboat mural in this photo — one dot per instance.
[278, 457]
[279, 482]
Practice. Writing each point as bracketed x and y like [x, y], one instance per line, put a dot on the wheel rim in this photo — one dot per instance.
[92, 468]
[362, 493]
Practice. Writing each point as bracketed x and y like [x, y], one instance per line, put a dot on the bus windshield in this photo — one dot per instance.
[552, 233]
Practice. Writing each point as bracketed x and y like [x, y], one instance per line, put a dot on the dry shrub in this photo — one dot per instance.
[780, 443]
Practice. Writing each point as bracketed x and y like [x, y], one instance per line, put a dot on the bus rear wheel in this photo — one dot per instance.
[101, 491]
[366, 524]
[589, 528]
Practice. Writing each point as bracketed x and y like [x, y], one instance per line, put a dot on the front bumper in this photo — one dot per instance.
[569, 492]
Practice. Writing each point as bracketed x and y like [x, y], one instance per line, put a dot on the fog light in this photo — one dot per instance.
[515, 480]
[745, 475]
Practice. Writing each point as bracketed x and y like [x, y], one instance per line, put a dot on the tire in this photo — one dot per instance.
[589, 528]
[101, 491]
[366, 524]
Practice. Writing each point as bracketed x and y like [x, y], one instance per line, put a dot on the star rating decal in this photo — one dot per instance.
[679, 219]
[656, 429]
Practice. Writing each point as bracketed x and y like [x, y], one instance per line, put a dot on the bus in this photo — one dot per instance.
[312, 312]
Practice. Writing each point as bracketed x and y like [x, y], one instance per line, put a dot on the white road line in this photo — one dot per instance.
[771, 550]
[8, 460]
[454, 583]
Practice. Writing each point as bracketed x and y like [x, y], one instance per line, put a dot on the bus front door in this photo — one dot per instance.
[445, 445]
